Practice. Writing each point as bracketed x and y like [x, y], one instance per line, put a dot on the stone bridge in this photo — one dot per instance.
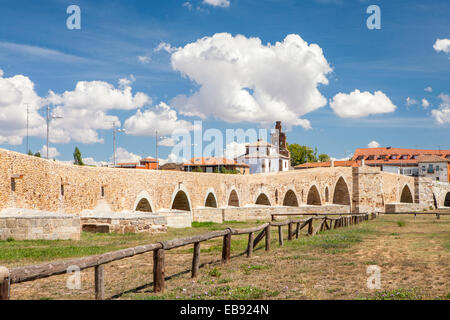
[32, 183]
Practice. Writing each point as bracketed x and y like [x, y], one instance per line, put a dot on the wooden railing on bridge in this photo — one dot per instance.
[34, 272]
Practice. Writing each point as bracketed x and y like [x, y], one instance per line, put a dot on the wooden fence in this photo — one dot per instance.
[33, 272]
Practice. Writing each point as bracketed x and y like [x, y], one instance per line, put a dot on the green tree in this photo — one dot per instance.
[324, 157]
[77, 159]
[37, 154]
[301, 154]
[197, 169]
[30, 153]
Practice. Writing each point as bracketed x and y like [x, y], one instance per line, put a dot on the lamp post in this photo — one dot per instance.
[114, 140]
[50, 116]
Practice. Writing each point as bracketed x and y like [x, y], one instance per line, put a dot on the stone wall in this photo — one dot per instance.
[46, 226]
[123, 225]
[263, 213]
[46, 185]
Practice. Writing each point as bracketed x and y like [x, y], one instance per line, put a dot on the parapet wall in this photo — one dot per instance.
[39, 184]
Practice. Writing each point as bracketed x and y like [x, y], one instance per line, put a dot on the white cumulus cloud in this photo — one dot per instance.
[373, 144]
[428, 89]
[242, 79]
[161, 118]
[410, 101]
[218, 3]
[425, 103]
[442, 115]
[85, 109]
[361, 104]
[124, 156]
[442, 45]
[15, 93]
[52, 152]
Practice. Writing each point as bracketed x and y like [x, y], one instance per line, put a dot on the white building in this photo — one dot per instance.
[262, 157]
[434, 167]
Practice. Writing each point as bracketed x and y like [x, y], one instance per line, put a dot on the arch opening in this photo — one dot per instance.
[211, 201]
[143, 206]
[233, 200]
[181, 202]
[327, 195]
[313, 197]
[290, 199]
[341, 194]
[406, 196]
[447, 200]
[262, 200]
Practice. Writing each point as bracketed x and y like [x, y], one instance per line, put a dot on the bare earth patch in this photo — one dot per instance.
[414, 257]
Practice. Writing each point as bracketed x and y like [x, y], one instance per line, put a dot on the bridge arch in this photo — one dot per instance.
[233, 198]
[341, 194]
[447, 200]
[211, 199]
[327, 195]
[180, 200]
[262, 200]
[143, 202]
[406, 196]
[313, 196]
[290, 199]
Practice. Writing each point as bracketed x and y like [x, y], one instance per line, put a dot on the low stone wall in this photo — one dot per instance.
[146, 223]
[259, 212]
[43, 226]
[405, 207]
[177, 219]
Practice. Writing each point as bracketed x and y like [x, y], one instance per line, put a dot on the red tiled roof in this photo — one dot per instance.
[388, 152]
[432, 158]
[212, 161]
[328, 164]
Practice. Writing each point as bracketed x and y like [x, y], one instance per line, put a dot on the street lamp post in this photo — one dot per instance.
[50, 116]
[114, 140]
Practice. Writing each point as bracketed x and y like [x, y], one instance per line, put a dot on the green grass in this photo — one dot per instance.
[397, 294]
[401, 223]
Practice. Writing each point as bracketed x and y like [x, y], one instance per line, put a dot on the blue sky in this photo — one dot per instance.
[399, 60]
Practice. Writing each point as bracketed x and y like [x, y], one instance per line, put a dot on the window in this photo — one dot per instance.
[13, 185]
[430, 168]
[103, 191]
[62, 190]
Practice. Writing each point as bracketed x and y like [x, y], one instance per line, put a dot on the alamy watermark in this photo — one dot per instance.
[74, 280]
[374, 20]
[374, 280]
[74, 20]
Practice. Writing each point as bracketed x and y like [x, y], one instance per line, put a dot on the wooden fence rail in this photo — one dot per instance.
[34, 272]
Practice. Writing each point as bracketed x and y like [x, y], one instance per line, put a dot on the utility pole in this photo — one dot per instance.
[114, 141]
[48, 123]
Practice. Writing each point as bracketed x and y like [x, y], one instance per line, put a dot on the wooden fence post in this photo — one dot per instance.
[250, 245]
[297, 230]
[226, 248]
[290, 231]
[158, 270]
[268, 238]
[5, 283]
[280, 236]
[310, 227]
[99, 282]
[196, 259]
